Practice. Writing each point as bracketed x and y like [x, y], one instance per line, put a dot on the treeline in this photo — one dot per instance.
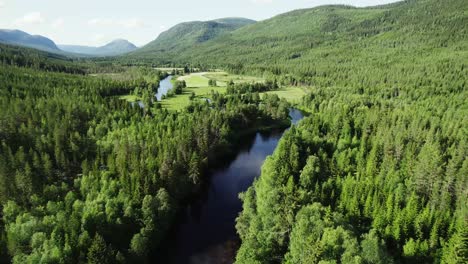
[86, 177]
[31, 58]
[51, 62]
[375, 174]
[256, 87]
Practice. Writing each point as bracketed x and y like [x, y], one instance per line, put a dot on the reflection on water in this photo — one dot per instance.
[206, 232]
[164, 87]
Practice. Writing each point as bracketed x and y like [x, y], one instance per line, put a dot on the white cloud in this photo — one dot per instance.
[2, 4]
[30, 18]
[99, 39]
[162, 27]
[58, 23]
[262, 1]
[131, 23]
[100, 22]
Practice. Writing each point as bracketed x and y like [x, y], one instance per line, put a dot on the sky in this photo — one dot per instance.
[97, 22]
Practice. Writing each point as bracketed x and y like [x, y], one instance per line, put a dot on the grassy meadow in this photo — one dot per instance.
[197, 83]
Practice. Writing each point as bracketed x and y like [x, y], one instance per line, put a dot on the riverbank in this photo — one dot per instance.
[198, 85]
[205, 228]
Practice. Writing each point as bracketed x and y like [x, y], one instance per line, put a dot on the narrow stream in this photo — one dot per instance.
[206, 231]
[164, 86]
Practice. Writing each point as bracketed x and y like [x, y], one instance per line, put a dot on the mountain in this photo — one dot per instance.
[77, 49]
[311, 43]
[187, 35]
[116, 47]
[18, 37]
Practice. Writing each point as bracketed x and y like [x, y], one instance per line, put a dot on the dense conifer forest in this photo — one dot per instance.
[376, 173]
[88, 177]
[371, 176]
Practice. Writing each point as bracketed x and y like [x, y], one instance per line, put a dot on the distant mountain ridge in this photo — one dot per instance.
[116, 47]
[21, 38]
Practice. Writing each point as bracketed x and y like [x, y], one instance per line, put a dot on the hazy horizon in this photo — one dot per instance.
[90, 23]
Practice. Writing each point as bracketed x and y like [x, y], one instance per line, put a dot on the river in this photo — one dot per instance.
[206, 230]
[164, 86]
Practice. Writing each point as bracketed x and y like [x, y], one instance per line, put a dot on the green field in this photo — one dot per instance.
[197, 80]
[226, 77]
[168, 69]
[292, 94]
[198, 84]
[222, 78]
[180, 101]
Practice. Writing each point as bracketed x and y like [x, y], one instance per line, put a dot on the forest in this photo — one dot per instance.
[371, 176]
[377, 171]
[88, 178]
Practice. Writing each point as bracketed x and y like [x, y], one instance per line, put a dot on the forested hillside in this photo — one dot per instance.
[31, 58]
[372, 176]
[378, 173]
[334, 45]
[185, 36]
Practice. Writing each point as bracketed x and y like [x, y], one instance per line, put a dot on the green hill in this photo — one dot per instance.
[319, 42]
[184, 36]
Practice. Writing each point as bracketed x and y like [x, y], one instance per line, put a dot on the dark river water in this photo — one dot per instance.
[206, 230]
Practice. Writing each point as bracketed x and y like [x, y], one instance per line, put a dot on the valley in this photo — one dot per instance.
[332, 134]
[205, 230]
[198, 88]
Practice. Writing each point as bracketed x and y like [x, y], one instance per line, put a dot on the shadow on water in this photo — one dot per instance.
[205, 229]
